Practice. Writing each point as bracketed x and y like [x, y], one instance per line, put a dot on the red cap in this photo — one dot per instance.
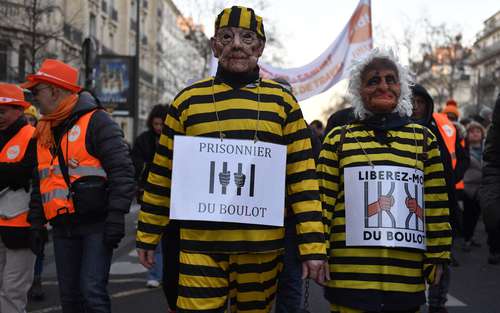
[12, 95]
[56, 73]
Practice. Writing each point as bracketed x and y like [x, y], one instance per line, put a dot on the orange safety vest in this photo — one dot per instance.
[13, 152]
[449, 133]
[56, 197]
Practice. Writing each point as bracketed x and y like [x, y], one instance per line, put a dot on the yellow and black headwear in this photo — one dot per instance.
[241, 17]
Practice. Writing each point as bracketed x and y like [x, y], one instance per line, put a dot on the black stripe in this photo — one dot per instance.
[369, 300]
[160, 170]
[437, 219]
[156, 210]
[438, 249]
[389, 278]
[294, 116]
[253, 21]
[231, 246]
[256, 268]
[378, 150]
[150, 228]
[157, 190]
[206, 225]
[311, 237]
[376, 261]
[233, 114]
[304, 217]
[202, 292]
[298, 177]
[299, 156]
[234, 17]
[307, 195]
[145, 246]
[201, 270]
[303, 133]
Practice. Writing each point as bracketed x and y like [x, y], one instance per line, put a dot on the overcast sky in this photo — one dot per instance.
[307, 28]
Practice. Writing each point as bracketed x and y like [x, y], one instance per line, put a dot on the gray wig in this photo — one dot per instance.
[404, 106]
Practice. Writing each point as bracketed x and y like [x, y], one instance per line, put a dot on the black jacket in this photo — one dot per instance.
[452, 176]
[15, 176]
[104, 141]
[143, 153]
[490, 185]
[340, 118]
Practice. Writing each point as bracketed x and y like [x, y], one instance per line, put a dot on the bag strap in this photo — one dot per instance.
[343, 132]
[425, 146]
[64, 167]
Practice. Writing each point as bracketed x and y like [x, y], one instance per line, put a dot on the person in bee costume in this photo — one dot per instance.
[223, 262]
[384, 197]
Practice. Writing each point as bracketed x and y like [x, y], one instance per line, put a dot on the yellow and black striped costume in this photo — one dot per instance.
[378, 278]
[241, 17]
[193, 113]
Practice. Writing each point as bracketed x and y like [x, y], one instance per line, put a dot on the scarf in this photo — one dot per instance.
[236, 80]
[43, 132]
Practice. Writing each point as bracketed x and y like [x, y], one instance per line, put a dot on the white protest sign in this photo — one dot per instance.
[384, 206]
[238, 181]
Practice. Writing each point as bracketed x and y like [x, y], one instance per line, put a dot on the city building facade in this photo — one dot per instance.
[170, 54]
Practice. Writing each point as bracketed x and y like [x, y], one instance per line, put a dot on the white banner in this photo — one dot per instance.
[332, 65]
[384, 206]
[238, 181]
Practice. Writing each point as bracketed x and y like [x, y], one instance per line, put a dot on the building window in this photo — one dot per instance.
[112, 41]
[92, 26]
[3, 61]
[23, 62]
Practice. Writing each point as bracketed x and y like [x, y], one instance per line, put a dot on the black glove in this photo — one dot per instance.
[38, 238]
[114, 229]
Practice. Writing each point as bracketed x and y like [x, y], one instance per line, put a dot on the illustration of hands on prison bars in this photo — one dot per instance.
[383, 204]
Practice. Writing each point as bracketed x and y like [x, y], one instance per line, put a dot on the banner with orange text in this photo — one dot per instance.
[332, 65]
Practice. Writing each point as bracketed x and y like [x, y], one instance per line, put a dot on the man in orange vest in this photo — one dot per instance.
[455, 162]
[83, 185]
[17, 160]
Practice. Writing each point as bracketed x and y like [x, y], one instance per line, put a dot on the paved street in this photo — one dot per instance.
[475, 285]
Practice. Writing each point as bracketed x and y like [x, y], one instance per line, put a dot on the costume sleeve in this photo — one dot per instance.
[302, 185]
[438, 229]
[154, 213]
[329, 180]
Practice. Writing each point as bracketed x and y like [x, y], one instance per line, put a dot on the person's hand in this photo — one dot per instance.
[386, 202]
[314, 269]
[225, 178]
[438, 274]
[114, 229]
[412, 205]
[38, 238]
[146, 257]
[239, 179]
[323, 274]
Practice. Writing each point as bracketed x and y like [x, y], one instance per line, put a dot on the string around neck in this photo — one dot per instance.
[222, 135]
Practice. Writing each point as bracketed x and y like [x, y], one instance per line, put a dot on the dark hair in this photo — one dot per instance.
[158, 111]
[317, 123]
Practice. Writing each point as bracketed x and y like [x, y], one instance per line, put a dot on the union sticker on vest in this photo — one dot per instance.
[238, 181]
[384, 206]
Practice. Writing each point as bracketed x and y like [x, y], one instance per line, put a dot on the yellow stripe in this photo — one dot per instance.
[224, 20]
[245, 18]
[231, 235]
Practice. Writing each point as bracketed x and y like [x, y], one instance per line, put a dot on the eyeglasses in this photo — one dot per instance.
[226, 36]
[35, 91]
